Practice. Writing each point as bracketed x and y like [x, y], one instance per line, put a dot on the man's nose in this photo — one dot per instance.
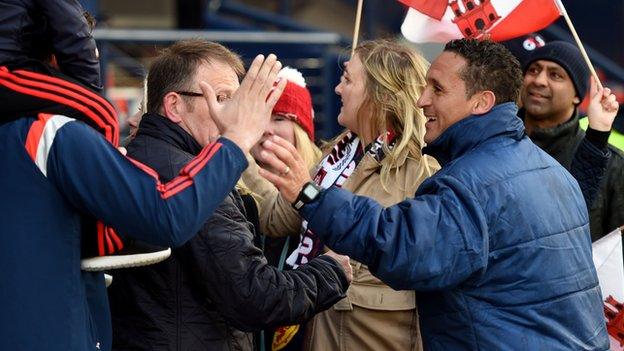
[541, 78]
[424, 99]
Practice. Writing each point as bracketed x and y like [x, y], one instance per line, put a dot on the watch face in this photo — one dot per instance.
[310, 191]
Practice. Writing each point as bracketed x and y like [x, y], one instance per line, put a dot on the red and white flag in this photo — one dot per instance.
[444, 20]
[607, 255]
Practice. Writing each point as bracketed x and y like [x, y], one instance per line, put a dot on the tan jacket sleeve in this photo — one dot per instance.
[277, 217]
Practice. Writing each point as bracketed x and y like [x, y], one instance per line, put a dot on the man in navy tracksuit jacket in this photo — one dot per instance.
[59, 175]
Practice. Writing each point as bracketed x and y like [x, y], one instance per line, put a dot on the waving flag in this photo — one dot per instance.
[607, 255]
[444, 20]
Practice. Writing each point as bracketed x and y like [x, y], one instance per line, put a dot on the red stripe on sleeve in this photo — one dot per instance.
[185, 177]
[201, 156]
[144, 168]
[191, 171]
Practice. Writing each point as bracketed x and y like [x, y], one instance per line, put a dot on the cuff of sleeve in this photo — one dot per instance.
[344, 282]
[237, 153]
[597, 138]
[308, 210]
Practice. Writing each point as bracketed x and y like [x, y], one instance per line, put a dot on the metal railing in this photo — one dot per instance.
[316, 54]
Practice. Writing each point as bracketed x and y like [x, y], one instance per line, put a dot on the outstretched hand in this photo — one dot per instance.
[244, 117]
[602, 107]
[283, 166]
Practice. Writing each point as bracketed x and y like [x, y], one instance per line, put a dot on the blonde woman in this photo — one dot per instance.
[293, 120]
[379, 156]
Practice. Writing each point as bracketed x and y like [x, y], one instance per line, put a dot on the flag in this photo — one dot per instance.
[607, 255]
[444, 20]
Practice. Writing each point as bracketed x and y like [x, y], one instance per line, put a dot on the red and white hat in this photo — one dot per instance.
[296, 102]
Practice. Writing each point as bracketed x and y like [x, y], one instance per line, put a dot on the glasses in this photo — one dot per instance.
[188, 93]
[220, 98]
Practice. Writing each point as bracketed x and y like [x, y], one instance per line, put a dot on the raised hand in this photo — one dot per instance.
[283, 166]
[602, 107]
[244, 117]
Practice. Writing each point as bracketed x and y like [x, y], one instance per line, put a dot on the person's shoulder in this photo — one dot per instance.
[68, 128]
[617, 158]
[231, 207]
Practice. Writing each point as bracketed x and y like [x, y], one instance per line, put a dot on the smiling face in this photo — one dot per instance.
[352, 92]
[548, 93]
[444, 100]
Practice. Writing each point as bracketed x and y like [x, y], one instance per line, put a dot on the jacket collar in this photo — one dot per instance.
[560, 141]
[471, 131]
[563, 132]
[160, 127]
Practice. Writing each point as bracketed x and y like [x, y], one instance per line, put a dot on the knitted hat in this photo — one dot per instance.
[296, 102]
[567, 56]
[523, 47]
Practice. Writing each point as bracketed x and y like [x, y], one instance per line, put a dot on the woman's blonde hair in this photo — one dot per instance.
[395, 79]
[305, 147]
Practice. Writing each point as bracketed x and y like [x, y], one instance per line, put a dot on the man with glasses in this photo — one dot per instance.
[218, 287]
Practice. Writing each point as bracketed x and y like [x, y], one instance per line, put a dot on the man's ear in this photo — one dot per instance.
[173, 107]
[484, 101]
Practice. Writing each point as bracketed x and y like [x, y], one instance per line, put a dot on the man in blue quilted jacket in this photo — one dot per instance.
[496, 243]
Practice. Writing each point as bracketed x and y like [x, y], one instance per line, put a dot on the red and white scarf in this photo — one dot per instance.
[334, 169]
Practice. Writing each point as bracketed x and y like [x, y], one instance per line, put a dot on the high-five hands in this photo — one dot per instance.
[244, 117]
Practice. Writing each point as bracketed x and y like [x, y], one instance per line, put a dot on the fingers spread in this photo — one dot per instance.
[271, 78]
[209, 96]
[263, 75]
[276, 93]
[252, 74]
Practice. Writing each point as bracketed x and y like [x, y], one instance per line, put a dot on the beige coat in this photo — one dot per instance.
[373, 316]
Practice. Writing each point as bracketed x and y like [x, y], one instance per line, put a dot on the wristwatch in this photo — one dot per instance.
[308, 193]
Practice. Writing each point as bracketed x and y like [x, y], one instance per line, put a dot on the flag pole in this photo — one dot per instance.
[564, 13]
[356, 30]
